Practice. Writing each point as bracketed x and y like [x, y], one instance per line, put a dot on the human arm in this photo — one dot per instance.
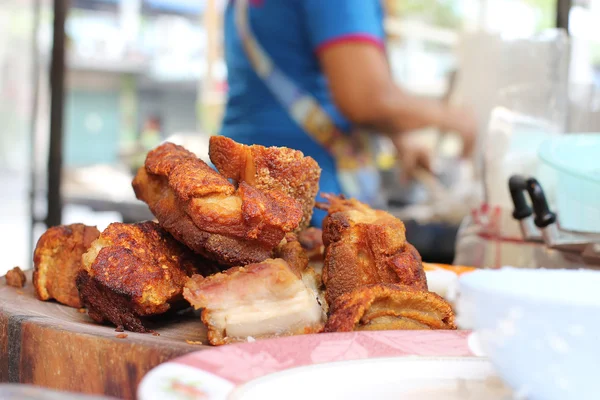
[363, 89]
[348, 38]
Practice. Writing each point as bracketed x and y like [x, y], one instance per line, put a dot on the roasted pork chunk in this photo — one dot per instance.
[15, 278]
[203, 210]
[133, 271]
[57, 261]
[260, 300]
[389, 307]
[364, 247]
[311, 240]
[292, 252]
[269, 168]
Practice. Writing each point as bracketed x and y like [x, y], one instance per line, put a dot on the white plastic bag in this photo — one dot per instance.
[528, 97]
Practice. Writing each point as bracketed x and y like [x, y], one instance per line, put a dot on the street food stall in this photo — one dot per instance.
[168, 261]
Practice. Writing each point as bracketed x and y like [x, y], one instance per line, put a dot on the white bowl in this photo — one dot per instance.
[541, 328]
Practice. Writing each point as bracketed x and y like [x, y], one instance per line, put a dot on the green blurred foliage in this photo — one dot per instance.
[442, 13]
[447, 14]
[595, 54]
[546, 13]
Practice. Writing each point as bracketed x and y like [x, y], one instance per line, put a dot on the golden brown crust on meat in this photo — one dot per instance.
[207, 213]
[57, 261]
[365, 247]
[269, 168]
[292, 252]
[171, 215]
[133, 271]
[15, 278]
[345, 214]
[406, 268]
[311, 240]
[389, 307]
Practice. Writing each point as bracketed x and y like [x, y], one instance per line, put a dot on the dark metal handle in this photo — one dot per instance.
[543, 215]
[517, 185]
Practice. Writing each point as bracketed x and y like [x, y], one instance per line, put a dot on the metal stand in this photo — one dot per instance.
[35, 79]
[563, 7]
[57, 87]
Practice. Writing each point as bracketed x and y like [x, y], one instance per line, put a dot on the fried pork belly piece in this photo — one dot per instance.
[269, 168]
[203, 210]
[260, 300]
[389, 307]
[312, 280]
[57, 261]
[311, 240]
[292, 252]
[365, 246]
[15, 278]
[133, 271]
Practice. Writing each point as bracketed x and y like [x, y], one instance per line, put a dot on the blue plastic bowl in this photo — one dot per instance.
[576, 160]
[540, 328]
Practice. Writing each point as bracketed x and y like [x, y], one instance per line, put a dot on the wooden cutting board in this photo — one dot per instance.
[58, 347]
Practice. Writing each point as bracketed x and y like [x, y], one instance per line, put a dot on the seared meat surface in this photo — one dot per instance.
[269, 168]
[364, 247]
[57, 261]
[133, 271]
[203, 210]
[389, 307]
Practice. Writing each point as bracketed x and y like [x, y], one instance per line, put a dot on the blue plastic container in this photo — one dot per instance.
[576, 160]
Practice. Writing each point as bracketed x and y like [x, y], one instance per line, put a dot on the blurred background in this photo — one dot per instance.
[138, 72]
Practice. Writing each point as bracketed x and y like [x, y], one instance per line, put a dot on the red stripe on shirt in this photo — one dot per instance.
[352, 38]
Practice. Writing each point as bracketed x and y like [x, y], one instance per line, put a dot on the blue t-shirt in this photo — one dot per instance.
[292, 32]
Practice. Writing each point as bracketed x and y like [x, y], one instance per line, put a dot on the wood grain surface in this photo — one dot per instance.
[58, 347]
[13, 391]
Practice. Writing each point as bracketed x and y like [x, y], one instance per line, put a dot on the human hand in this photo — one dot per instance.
[463, 121]
[412, 156]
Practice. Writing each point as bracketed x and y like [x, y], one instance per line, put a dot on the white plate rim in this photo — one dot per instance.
[405, 362]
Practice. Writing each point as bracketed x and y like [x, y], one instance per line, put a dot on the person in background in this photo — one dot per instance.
[151, 134]
[313, 75]
[149, 137]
